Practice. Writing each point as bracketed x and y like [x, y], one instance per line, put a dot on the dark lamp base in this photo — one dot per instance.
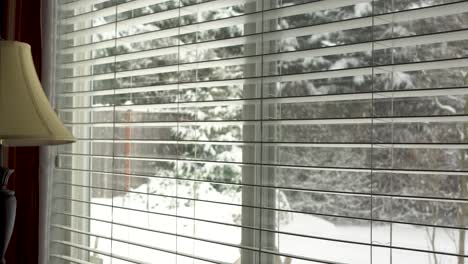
[7, 212]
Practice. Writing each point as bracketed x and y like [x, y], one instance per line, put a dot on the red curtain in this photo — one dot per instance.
[23, 248]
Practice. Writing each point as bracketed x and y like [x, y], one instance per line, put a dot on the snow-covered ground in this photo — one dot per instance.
[401, 236]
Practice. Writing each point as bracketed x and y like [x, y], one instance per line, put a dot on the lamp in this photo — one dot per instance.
[26, 119]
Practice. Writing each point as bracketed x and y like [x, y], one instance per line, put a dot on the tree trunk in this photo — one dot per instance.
[464, 211]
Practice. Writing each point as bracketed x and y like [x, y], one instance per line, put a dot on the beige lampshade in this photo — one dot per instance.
[26, 117]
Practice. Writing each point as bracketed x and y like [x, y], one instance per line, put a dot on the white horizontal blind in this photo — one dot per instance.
[262, 131]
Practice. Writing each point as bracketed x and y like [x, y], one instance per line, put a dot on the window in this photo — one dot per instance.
[262, 131]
